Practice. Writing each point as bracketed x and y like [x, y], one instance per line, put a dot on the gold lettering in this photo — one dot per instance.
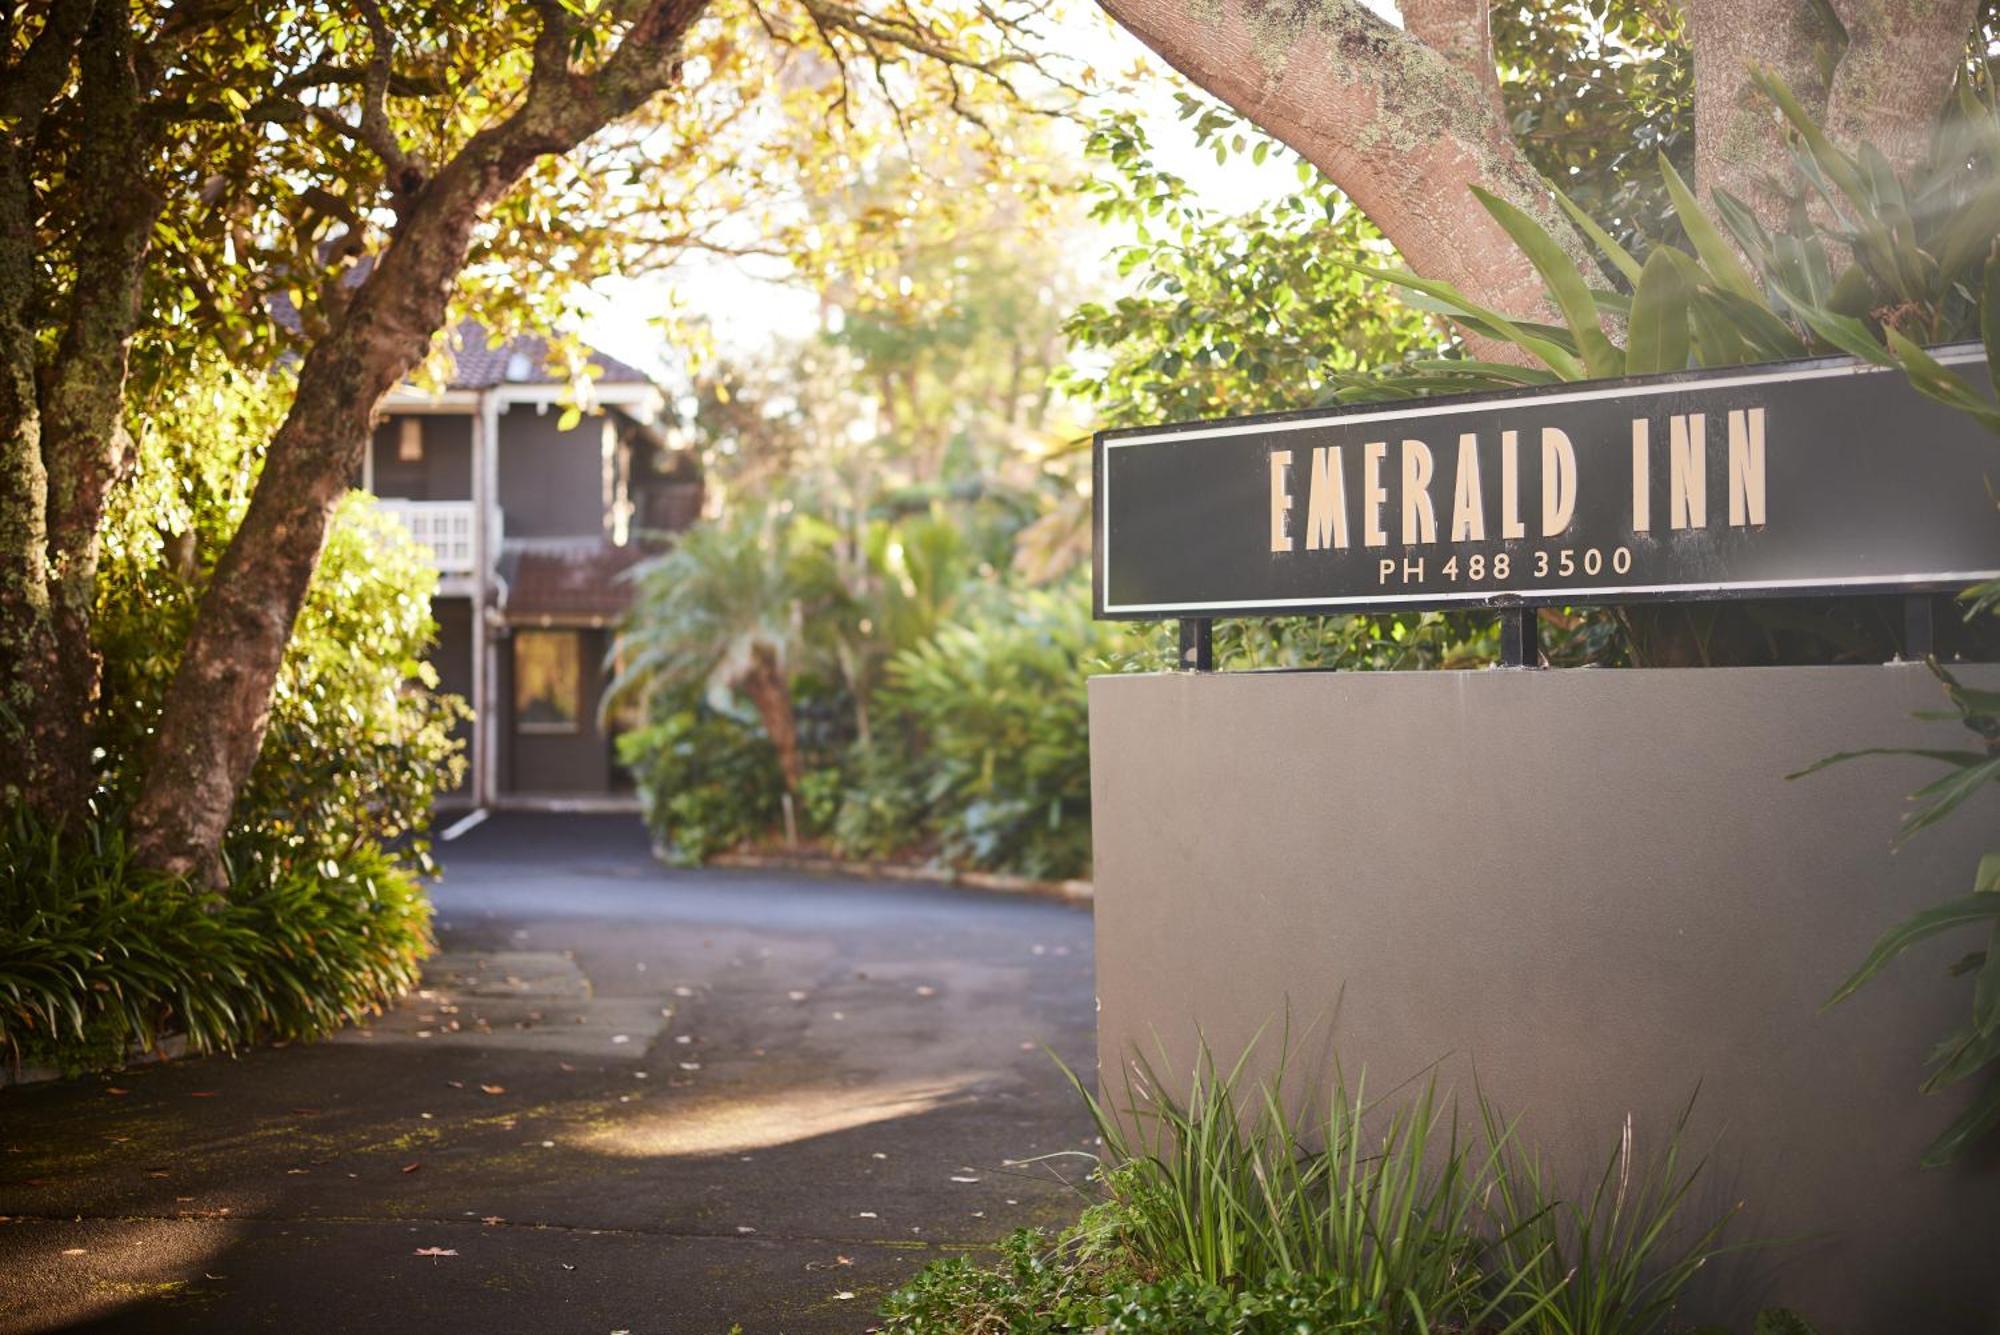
[1420, 523]
[1468, 506]
[1281, 500]
[1374, 496]
[1746, 467]
[1687, 470]
[1326, 502]
[1510, 486]
[1642, 476]
[1558, 481]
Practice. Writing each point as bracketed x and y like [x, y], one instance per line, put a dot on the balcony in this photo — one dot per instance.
[448, 528]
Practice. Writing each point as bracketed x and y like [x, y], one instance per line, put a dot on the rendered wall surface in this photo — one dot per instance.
[1598, 889]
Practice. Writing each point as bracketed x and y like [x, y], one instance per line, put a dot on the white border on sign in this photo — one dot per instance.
[1419, 409]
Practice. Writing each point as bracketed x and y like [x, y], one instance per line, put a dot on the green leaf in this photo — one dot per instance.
[1565, 283]
[1986, 989]
[1989, 319]
[1974, 1122]
[1657, 337]
[1987, 879]
[1716, 255]
[1939, 382]
[1620, 257]
[1467, 311]
[1852, 293]
[1970, 911]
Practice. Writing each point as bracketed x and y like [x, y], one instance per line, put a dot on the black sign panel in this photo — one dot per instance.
[1794, 478]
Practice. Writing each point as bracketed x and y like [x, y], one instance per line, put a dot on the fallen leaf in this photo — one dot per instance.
[621, 1038]
[690, 1066]
[456, 1084]
[843, 1260]
[305, 1112]
[492, 1221]
[74, 1251]
[202, 1094]
[868, 1214]
[564, 1066]
[745, 1228]
[566, 1265]
[926, 991]
[113, 1089]
[412, 1167]
[845, 1295]
[965, 1179]
[493, 1089]
[796, 996]
[435, 1252]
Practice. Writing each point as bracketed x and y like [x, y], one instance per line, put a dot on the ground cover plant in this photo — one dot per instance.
[1233, 1211]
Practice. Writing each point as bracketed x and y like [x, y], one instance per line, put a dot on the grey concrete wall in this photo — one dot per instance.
[1597, 890]
[552, 482]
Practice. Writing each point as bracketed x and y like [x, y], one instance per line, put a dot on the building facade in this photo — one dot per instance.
[533, 517]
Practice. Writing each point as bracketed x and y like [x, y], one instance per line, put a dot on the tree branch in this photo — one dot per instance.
[1400, 129]
[1459, 30]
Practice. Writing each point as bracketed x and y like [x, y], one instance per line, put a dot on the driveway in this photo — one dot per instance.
[628, 1098]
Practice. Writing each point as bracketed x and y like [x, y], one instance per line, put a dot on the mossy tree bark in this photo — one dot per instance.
[216, 710]
[62, 387]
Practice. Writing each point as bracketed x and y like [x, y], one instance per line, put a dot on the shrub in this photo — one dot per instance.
[97, 955]
[360, 741]
[1000, 707]
[708, 780]
[882, 811]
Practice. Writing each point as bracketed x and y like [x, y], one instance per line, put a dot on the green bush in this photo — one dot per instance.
[882, 811]
[97, 955]
[360, 741]
[1000, 707]
[708, 780]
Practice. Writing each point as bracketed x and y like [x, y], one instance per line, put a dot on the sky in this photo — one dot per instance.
[747, 312]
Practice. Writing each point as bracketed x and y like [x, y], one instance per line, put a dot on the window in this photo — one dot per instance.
[548, 680]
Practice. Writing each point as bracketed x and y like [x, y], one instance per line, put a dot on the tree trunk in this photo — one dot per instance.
[84, 440]
[216, 711]
[54, 428]
[765, 684]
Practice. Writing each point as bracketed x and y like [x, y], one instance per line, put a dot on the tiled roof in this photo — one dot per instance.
[478, 366]
[523, 360]
[568, 580]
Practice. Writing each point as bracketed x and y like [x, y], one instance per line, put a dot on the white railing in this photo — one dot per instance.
[446, 527]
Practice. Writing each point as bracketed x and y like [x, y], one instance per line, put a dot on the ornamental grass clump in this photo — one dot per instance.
[1237, 1211]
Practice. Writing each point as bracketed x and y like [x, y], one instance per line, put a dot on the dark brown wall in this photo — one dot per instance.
[552, 482]
[445, 471]
[1596, 888]
[452, 657]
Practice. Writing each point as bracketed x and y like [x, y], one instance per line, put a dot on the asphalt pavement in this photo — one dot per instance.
[627, 1098]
